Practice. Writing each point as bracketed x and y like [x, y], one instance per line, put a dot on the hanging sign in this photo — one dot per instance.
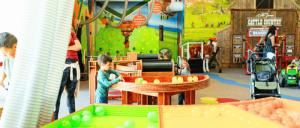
[259, 32]
[264, 20]
[138, 20]
[157, 7]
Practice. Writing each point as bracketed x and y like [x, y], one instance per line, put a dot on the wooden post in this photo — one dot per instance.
[161, 33]
[144, 99]
[164, 98]
[126, 97]
[139, 100]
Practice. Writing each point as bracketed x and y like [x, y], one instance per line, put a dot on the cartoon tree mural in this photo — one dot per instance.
[144, 40]
[110, 41]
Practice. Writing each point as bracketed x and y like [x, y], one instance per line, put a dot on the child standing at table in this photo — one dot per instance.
[185, 71]
[103, 82]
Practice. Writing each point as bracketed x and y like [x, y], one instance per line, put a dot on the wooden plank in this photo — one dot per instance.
[144, 99]
[124, 97]
[134, 97]
[150, 100]
[139, 99]
[154, 100]
[161, 98]
[187, 98]
[193, 98]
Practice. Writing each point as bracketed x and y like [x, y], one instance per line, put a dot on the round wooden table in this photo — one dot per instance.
[163, 91]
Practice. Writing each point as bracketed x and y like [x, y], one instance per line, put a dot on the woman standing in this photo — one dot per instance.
[270, 41]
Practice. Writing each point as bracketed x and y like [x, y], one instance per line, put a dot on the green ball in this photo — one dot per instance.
[151, 126]
[144, 82]
[100, 111]
[86, 113]
[120, 127]
[65, 124]
[152, 117]
[87, 120]
[129, 124]
[141, 80]
[75, 121]
[174, 78]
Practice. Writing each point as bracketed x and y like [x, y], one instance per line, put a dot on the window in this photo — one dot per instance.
[264, 4]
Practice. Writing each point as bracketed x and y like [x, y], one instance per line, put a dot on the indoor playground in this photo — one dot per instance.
[150, 64]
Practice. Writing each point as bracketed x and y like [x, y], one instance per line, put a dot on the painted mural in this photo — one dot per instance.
[204, 17]
[136, 13]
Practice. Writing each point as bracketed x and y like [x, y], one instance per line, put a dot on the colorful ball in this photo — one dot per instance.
[129, 124]
[65, 124]
[190, 79]
[141, 80]
[99, 111]
[151, 126]
[86, 113]
[156, 81]
[87, 120]
[180, 80]
[152, 117]
[175, 81]
[75, 121]
[195, 78]
[137, 81]
[144, 82]
[243, 107]
[174, 78]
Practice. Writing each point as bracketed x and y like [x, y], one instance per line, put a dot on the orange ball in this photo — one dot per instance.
[252, 111]
[298, 117]
[275, 117]
[257, 105]
[297, 123]
[250, 106]
[276, 121]
[281, 114]
[287, 117]
[278, 104]
[243, 107]
[280, 110]
[290, 125]
[271, 102]
[257, 109]
[264, 103]
[265, 107]
[264, 113]
[271, 107]
[268, 118]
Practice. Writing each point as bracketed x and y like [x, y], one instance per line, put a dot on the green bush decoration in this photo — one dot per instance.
[110, 41]
[144, 40]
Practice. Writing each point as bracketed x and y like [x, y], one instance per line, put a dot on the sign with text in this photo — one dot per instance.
[259, 32]
[157, 7]
[264, 20]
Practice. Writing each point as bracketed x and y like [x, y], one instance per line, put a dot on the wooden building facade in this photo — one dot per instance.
[233, 39]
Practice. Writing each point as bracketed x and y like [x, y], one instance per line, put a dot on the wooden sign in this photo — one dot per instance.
[264, 20]
[237, 58]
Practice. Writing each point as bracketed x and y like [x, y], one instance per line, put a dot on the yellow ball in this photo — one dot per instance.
[156, 81]
[190, 79]
[195, 78]
[174, 81]
[180, 80]
[137, 81]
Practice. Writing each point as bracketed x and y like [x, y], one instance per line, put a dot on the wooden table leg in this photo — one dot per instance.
[164, 98]
[144, 99]
[139, 99]
[193, 97]
[126, 97]
[154, 100]
[150, 100]
[189, 97]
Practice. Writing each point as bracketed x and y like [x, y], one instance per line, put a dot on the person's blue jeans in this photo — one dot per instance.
[101, 100]
[181, 98]
[70, 89]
